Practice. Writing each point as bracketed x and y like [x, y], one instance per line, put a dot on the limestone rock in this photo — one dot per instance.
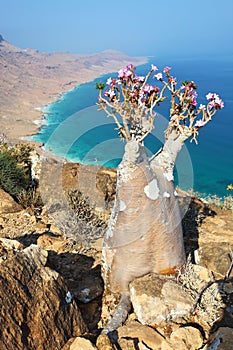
[8, 248]
[185, 338]
[127, 344]
[103, 342]
[82, 344]
[35, 313]
[8, 204]
[141, 333]
[156, 300]
[221, 340]
[216, 257]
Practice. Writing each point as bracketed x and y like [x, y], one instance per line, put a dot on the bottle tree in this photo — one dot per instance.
[144, 233]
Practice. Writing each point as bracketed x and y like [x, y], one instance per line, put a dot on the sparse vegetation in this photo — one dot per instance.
[15, 173]
[83, 210]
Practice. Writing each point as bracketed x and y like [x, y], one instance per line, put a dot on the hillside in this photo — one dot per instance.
[31, 79]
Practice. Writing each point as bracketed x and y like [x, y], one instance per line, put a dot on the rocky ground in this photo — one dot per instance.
[51, 288]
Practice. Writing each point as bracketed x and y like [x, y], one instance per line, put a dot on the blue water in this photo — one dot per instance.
[77, 131]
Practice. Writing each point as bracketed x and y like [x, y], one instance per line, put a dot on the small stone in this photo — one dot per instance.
[82, 344]
[103, 342]
[202, 272]
[127, 344]
[185, 338]
[144, 334]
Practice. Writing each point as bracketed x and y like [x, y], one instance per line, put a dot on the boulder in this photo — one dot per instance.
[36, 311]
[158, 299]
[8, 204]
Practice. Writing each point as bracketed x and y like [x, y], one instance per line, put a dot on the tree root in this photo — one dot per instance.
[119, 316]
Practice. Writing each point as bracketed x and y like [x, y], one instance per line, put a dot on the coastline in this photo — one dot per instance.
[34, 80]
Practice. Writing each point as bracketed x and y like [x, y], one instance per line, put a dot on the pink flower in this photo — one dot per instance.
[128, 73]
[219, 102]
[109, 81]
[202, 107]
[158, 76]
[111, 93]
[211, 96]
[139, 78]
[193, 102]
[148, 88]
[154, 68]
[211, 104]
[130, 66]
[199, 123]
[166, 69]
[121, 73]
[172, 80]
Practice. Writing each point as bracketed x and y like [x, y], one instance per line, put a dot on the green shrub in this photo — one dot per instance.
[13, 179]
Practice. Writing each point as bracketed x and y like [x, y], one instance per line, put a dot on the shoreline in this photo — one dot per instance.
[34, 80]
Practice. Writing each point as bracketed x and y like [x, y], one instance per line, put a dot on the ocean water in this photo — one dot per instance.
[76, 131]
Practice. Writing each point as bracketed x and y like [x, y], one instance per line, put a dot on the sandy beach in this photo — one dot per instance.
[32, 79]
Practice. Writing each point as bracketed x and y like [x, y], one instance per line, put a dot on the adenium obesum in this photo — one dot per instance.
[130, 100]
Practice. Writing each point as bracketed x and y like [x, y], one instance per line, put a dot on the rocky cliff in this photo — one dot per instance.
[52, 292]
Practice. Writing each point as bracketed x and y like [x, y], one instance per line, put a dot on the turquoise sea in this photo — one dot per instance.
[75, 130]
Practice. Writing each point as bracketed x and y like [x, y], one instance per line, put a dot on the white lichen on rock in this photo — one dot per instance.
[169, 176]
[122, 205]
[68, 297]
[166, 195]
[151, 190]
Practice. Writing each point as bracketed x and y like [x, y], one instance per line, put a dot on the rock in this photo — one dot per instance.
[221, 340]
[156, 300]
[88, 288]
[127, 344]
[185, 338]
[8, 204]
[214, 240]
[35, 313]
[82, 344]
[10, 245]
[103, 342]
[142, 346]
[51, 242]
[216, 257]
[202, 272]
[141, 333]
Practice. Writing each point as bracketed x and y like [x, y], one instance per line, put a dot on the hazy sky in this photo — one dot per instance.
[137, 27]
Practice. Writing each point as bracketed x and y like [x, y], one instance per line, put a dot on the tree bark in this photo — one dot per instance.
[144, 232]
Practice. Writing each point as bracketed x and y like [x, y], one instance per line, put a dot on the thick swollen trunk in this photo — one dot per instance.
[144, 233]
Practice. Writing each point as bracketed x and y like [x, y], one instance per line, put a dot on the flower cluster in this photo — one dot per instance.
[134, 97]
[135, 88]
[215, 101]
